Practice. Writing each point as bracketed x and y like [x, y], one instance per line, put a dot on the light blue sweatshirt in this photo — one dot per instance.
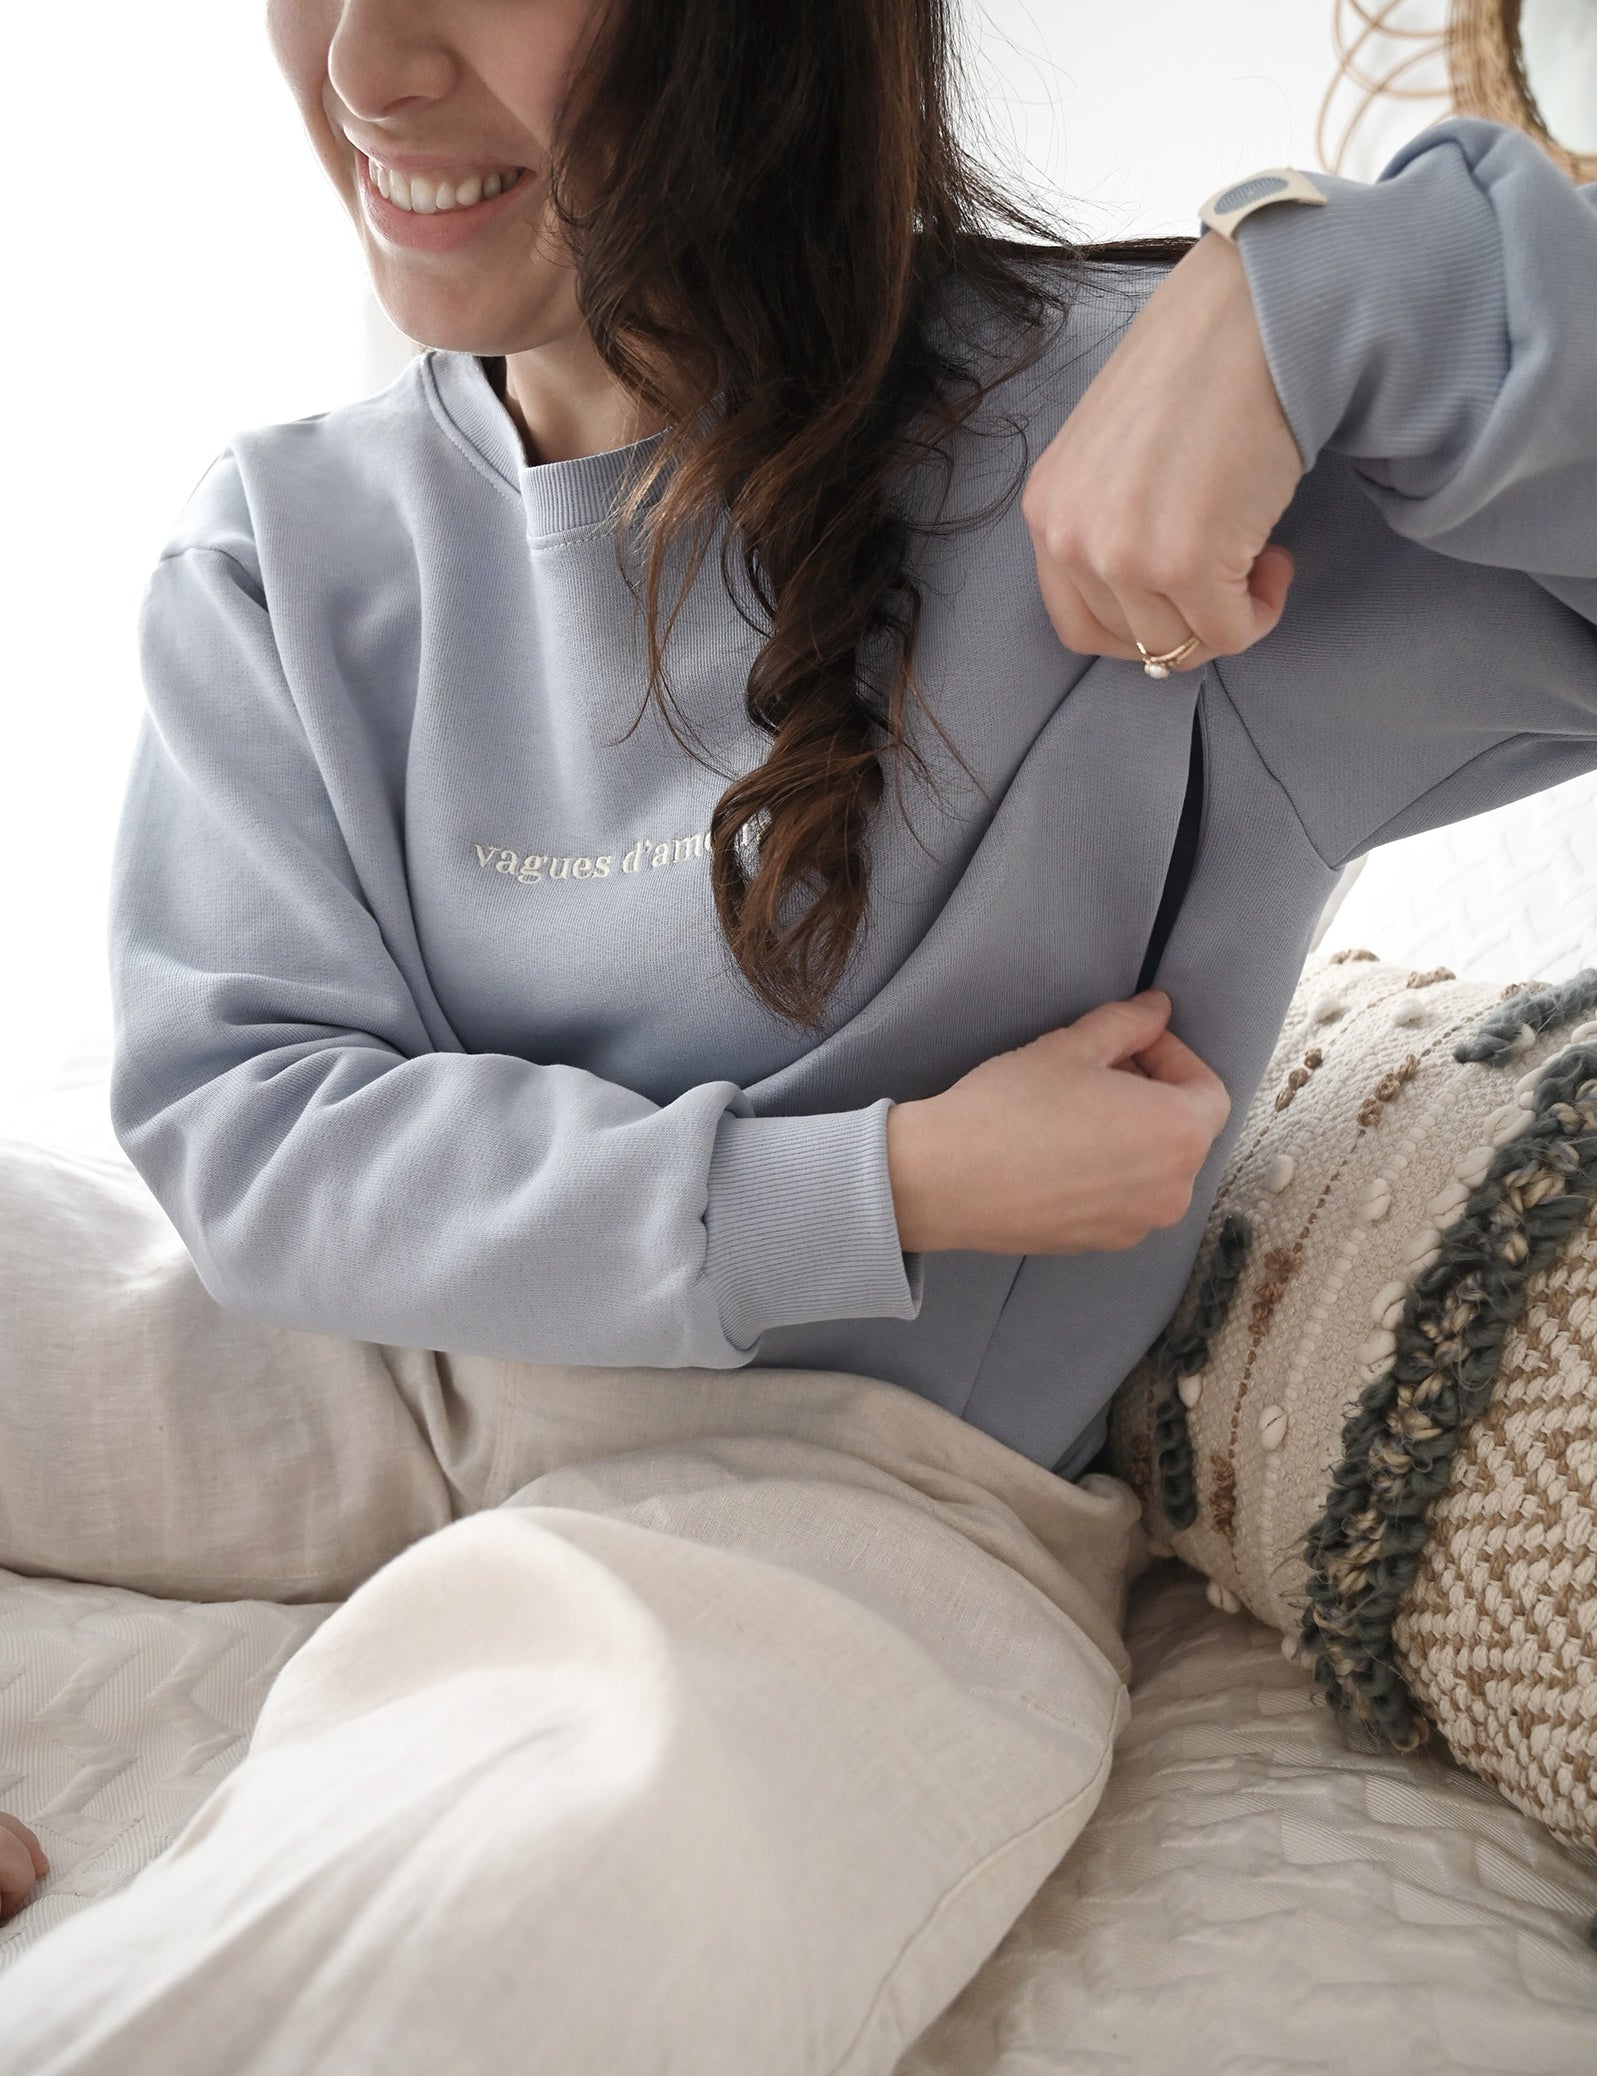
[425, 1030]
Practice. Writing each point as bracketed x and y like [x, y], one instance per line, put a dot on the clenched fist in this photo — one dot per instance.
[1150, 511]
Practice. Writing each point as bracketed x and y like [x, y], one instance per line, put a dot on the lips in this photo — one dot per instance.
[429, 161]
[438, 230]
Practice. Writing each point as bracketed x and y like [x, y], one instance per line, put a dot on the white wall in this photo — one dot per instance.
[1559, 40]
[178, 267]
[191, 273]
[1134, 113]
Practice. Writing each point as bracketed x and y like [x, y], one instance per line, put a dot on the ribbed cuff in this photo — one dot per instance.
[1382, 312]
[801, 1225]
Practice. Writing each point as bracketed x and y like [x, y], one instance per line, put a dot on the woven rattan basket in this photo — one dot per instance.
[1486, 65]
[1484, 58]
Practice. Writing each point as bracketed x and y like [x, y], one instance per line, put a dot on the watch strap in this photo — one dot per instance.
[1227, 207]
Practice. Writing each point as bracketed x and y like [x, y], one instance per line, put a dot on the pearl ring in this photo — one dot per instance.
[1159, 666]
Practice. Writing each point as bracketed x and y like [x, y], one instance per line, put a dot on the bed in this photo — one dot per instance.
[1250, 1896]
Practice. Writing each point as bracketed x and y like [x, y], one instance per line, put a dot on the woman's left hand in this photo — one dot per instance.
[1150, 512]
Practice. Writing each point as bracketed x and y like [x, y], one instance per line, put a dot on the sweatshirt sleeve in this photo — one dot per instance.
[336, 1162]
[1430, 336]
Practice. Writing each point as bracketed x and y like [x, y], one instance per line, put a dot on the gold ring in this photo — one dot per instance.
[1159, 666]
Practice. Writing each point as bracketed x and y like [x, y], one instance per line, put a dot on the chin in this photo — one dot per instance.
[459, 324]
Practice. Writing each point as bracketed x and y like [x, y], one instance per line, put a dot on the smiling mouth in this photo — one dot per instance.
[427, 194]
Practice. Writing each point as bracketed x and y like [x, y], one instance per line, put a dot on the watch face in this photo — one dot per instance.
[1253, 189]
[1224, 211]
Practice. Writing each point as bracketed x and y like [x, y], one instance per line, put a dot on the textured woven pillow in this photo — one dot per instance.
[1372, 1420]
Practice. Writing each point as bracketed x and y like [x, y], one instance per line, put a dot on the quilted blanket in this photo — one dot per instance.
[1249, 1896]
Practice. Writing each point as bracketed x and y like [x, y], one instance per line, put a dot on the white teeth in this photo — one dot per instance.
[424, 195]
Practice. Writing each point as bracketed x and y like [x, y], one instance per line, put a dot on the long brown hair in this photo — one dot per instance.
[765, 207]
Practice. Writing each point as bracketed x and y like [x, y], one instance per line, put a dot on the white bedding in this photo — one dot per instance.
[118, 1714]
[1250, 1898]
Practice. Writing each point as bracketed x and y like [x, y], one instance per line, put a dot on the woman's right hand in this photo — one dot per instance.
[1084, 1140]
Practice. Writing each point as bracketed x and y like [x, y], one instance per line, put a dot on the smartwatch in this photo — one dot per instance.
[1225, 209]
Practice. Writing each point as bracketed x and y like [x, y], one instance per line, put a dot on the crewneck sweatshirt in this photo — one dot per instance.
[425, 1031]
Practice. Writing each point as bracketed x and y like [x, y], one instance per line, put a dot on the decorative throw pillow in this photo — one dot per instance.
[1372, 1420]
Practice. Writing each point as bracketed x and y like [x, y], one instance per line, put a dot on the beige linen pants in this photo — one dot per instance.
[676, 1722]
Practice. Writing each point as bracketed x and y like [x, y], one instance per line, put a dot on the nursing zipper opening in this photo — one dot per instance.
[1179, 872]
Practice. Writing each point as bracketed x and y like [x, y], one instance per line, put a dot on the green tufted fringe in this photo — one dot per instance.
[1364, 1550]
[1508, 1031]
[1177, 1353]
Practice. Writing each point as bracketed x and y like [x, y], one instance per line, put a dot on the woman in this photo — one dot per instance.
[631, 934]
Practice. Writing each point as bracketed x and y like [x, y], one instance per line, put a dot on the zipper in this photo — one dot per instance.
[1178, 874]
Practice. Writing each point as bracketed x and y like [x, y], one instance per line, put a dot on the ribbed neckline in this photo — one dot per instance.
[558, 497]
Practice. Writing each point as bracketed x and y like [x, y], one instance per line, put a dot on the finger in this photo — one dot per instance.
[1230, 614]
[1104, 606]
[1168, 1060]
[1138, 615]
[19, 1829]
[1115, 1031]
[1074, 620]
[1142, 615]
[1091, 618]
[17, 1874]
[1270, 579]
